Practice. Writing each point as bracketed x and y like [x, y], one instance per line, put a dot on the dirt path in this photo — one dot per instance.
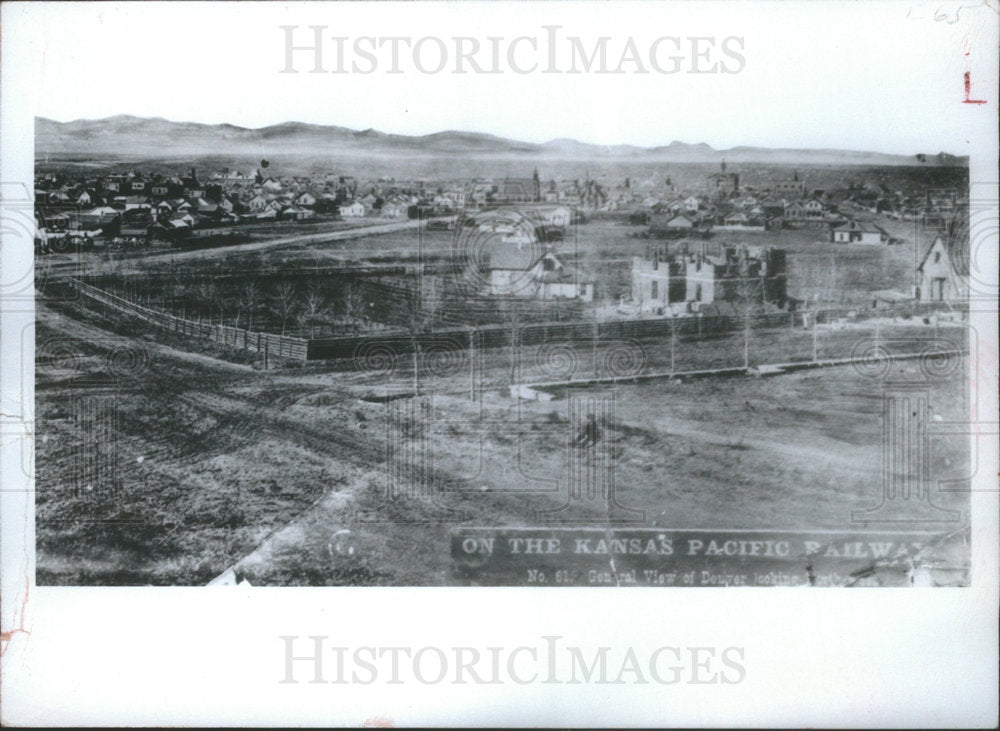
[72, 327]
[318, 238]
[844, 455]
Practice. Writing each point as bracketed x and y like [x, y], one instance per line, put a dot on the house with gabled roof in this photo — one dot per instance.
[680, 224]
[393, 209]
[182, 219]
[136, 201]
[804, 210]
[854, 232]
[257, 203]
[353, 209]
[521, 270]
[942, 275]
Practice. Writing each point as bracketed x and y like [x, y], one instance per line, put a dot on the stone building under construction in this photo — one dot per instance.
[692, 275]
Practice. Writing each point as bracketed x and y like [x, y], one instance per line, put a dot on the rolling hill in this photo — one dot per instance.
[139, 137]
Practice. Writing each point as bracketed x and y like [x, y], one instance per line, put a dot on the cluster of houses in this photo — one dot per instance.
[929, 206]
[135, 204]
[513, 254]
[720, 202]
[571, 193]
[781, 204]
[143, 206]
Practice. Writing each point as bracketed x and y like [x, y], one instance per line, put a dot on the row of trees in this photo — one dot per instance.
[282, 305]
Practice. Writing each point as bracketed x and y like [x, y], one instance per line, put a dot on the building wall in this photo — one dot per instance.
[705, 279]
[668, 279]
[699, 280]
[859, 237]
[556, 290]
[789, 186]
[936, 281]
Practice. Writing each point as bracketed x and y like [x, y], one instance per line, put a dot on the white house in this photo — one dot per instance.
[354, 209]
[257, 203]
[805, 210]
[393, 210]
[853, 232]
[939, 279]
[519, 271]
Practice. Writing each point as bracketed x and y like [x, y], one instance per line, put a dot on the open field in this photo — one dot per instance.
[214, 463]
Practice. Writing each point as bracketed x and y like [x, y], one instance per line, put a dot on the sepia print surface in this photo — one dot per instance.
[310, 355]
[354, 353]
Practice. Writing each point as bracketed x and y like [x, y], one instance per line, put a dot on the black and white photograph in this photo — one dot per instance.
[337, 363]
[562, 300]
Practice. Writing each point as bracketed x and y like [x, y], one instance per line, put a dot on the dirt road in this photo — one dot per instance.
[56, 267]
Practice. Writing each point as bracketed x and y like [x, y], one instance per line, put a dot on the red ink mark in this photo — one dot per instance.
[378, 722]
[968, 90]
[6, 637]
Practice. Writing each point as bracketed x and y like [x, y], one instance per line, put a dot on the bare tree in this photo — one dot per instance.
[828, 293]
[249, 302]
[674, 327]
[749, 293]
[313, 306]
[599, 304]
[220, 303]
[355, 308]
[179, 292]
[418, 317]
[284, 302]
[206, 294]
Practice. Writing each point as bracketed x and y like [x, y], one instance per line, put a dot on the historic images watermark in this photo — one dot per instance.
[318, 659]
[319, 49]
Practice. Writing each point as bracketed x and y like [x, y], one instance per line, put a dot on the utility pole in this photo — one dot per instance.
[815, 319]
[472, 364]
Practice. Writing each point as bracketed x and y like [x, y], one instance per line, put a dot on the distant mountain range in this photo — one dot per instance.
[125, 136]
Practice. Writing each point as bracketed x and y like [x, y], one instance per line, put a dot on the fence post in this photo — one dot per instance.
[472, 364]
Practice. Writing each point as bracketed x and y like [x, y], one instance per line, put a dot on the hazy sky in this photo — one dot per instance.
[874, 76]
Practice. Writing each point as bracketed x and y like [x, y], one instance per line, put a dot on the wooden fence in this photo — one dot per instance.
[373, 346]
[281, 346]
[495, 336]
